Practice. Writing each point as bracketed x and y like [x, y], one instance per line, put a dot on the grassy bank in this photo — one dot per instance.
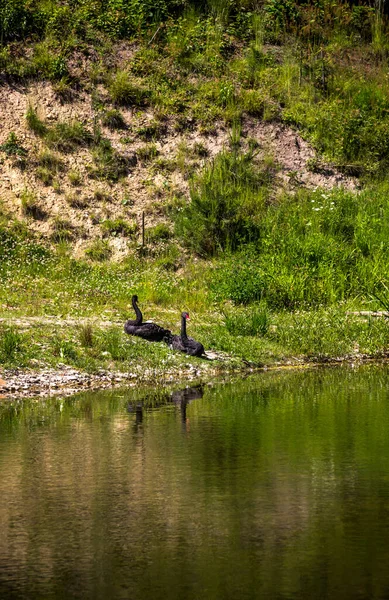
[290, 293]
[269, 271]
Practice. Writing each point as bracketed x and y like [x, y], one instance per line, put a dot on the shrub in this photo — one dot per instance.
[227, 199]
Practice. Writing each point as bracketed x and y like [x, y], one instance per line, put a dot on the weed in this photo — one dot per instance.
[109, 164]
[99, 251]
[151, 131]
[200, 150]
[12, 146]
[114, 342]
[44, 174]
[147, 152]
[160, 232]
[86, 335]
[254, 321]
[30, 205]
[63, 90]
[75, 177]
[65, 137]
[11, 345]
[101, 195]
[76, 200]
[50, 160]
[124, 92]
[113, 119]
[62, 231]
[118, 226]
[34, 123]
[64, 349]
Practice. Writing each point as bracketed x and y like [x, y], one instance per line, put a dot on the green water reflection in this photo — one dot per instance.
[276, 486]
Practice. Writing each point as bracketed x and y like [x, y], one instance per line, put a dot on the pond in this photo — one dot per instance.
[275, 486]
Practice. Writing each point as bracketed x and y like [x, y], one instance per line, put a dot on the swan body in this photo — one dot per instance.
[183, 343]
[147, 331]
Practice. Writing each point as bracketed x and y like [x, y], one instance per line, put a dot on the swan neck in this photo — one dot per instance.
[139, 316]
[183, 328]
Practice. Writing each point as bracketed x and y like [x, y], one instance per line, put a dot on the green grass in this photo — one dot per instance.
[266, 276]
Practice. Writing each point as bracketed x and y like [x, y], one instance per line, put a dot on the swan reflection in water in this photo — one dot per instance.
[180, 398]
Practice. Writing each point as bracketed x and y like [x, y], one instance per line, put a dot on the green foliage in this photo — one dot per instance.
[160, 232]
[124, 92]
[113, 119]
[98, 251]
[109, 164]
[119, 226]
[64, 349]
[147, 152]
[35, 123]
[12, 146]
[75, 177]
[252, 322]
[63, 230]
[314, 249]
[227, 200]
[11, 345]
[30, 205]
[86, 335]
[66, 137]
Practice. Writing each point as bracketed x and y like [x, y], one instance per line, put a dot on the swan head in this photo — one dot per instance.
[134, 298]
[185, 315]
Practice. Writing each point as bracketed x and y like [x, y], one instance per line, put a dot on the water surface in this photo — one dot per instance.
[272, 487]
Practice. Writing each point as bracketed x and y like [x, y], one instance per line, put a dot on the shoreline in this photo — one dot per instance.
[65, 381]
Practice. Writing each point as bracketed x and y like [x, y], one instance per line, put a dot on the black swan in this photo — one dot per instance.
[147, 331]
[183, 343]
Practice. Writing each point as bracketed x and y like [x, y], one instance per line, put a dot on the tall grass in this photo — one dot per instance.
[317, 248]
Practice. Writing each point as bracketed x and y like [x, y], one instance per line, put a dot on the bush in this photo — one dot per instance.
[227, 200]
